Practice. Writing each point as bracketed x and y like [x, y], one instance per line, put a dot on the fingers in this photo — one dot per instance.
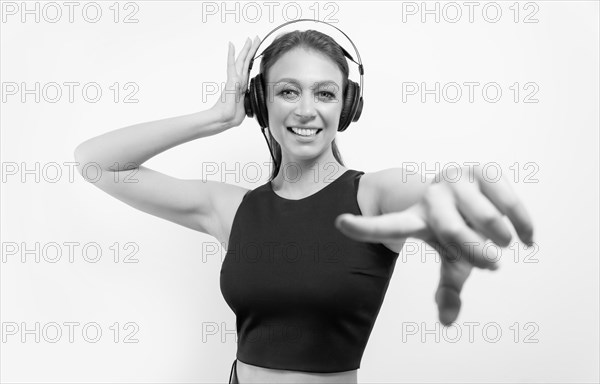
[250, 55]
[238, 68]
[448, 302]
[239, 63]
[481, 213]
[506, 201]
[231, 62]
[460, 243]
[452, 278]
[377, 229]
[257, 41]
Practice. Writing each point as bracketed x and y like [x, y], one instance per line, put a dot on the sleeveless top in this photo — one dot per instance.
[305, 295]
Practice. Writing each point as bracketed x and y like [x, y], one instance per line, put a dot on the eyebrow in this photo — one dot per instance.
[318, 83]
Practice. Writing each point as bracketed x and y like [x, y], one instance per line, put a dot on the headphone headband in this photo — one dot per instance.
[255, 104]
[361, 69]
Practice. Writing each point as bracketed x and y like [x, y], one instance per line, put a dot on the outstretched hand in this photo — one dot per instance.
[456, 218]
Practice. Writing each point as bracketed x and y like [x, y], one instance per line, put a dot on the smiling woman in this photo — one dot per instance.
[299, 97]
[295, 103]
[306, 71]
[306, 269]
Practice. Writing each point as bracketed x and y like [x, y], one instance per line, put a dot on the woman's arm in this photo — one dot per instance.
[196, 204]
[455, 217]
[117, 155]
[129, 147]
[396, 189]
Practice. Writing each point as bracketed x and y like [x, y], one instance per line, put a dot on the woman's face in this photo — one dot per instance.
[304, 89]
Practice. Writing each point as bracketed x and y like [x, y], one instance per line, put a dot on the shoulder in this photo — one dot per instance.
[394, 189]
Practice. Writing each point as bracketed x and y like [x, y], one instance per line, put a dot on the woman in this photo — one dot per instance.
[301, 321]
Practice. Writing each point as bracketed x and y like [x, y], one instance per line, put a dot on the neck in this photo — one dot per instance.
[300, 177]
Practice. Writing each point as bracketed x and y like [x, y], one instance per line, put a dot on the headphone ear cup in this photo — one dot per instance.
[248, 102]
[351, 103]
[261, 104]
[254, 100]
[359, 108]
[355, 102]
[249, 99]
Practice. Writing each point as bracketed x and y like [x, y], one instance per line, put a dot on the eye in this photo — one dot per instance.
[289, 94]
[327, 95]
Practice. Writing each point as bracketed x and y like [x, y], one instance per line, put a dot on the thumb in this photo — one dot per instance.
[377, 229]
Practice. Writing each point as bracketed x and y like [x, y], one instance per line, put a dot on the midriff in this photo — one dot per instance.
[248, 374]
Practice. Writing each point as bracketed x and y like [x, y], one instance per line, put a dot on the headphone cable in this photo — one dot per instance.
[269, 145]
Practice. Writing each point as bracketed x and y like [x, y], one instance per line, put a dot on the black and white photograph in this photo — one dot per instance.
[300, 192]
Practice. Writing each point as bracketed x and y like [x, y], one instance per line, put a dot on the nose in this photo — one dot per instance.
[305, 107]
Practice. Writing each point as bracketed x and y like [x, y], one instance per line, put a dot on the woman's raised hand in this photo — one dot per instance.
[456, 218]
[230, 105]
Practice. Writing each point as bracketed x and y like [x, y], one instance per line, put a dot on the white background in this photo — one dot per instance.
[174, 288]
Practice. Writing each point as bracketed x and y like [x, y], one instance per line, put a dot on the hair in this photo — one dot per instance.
[309, 39]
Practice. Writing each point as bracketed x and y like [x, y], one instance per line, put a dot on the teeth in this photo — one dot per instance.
[304, 132]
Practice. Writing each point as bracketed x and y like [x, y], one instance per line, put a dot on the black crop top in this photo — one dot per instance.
[305, 295]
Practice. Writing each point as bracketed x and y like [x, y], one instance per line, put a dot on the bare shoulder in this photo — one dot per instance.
[394, 189]
[389, 190]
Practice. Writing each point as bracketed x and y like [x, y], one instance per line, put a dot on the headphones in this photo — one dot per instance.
[255, 97]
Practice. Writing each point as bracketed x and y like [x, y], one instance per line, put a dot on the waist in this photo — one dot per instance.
[248, 373]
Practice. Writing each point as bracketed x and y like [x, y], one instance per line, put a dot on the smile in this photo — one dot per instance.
[304, 131]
